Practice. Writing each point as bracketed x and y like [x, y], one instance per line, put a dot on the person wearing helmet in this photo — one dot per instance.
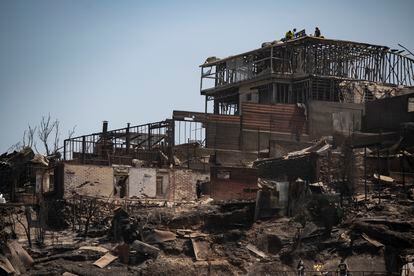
[289, 35]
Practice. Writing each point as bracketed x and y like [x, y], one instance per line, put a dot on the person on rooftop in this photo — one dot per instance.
[289, 35]
[317, 32]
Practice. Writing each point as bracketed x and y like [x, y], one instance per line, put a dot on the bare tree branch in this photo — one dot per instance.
[57, 135]
[71, 132]
[48, 133]
[16, 147]
[28, 137]
[45, 129]
[35, 146]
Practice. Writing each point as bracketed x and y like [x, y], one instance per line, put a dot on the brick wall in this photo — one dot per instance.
[92, 180]
[231, 183]
[183, 186]
[88, 180]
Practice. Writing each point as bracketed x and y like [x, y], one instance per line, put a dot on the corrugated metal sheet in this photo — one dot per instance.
[287, 118]
[223, 131]
[223, 135]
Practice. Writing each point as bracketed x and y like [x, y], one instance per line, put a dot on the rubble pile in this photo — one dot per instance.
[189, 240]
[319, 217]
[217, 239]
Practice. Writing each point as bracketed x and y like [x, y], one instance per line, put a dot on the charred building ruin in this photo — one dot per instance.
[266, 103]
[294, 134]
[301, 89]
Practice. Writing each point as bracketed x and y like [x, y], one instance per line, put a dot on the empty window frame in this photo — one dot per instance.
[223, 175]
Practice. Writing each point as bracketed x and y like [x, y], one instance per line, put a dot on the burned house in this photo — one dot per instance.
[266, 103]
[17, 175]
[24, 174]
[135, 162]
[287, 93]
[290, 120]
[283, 96]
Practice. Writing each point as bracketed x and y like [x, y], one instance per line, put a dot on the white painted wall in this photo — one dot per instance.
[142, 182]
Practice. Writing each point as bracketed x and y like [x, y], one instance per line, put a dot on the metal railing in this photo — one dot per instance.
[131, 142]
[143, 142]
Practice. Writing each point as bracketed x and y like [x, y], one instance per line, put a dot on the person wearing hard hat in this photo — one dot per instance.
[289, 35]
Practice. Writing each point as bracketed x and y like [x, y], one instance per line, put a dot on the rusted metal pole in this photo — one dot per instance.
[188, 153]
[149, 136]
[127, 138]
[201, 79]
[258, 142]
[378, 174]
[365, 173]
[64, 149]
[83, 148]
[402, 168]
[271, 60]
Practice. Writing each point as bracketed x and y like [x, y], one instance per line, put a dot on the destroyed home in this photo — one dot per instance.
[303, 165]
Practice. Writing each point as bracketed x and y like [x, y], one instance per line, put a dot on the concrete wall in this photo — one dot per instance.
[388, 114]
[322, 120]
[142, 182]
[283, 189]
[88, 180]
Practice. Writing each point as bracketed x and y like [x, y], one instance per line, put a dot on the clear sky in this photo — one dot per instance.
[136, 61]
